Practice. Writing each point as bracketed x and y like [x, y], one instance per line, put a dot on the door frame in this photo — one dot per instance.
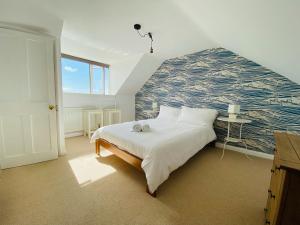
[58, 83]
[59, 99]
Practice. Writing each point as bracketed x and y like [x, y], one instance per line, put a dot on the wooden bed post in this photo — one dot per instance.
[97, 147]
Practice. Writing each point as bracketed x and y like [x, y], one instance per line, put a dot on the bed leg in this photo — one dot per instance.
[98, 147]
[212, 144]
[152, 194]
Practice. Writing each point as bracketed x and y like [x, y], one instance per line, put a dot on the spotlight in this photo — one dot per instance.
[137, 27]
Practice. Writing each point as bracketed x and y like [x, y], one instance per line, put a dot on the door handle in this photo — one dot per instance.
[51, 107]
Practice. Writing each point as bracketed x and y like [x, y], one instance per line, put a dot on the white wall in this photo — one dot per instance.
[121, 70]
[126, 103]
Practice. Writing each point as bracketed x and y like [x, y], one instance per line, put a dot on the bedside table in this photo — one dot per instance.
[234, 139]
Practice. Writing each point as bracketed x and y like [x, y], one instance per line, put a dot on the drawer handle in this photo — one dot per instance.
[265, 209]
[272, 171]
[269, 191]
[268, 222]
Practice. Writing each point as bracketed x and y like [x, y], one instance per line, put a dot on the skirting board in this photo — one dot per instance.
[243, 150]
[74, 134]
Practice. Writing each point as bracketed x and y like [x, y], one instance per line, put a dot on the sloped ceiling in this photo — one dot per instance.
[266, 32]
[146, 66]
[122, 70]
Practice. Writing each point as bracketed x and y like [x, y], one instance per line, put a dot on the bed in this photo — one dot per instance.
[170, 142]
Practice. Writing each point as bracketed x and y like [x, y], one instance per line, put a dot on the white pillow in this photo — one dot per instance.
[168, 113]
[197, 116]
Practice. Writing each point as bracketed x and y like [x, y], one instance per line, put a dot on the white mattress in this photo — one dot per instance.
[166, 147]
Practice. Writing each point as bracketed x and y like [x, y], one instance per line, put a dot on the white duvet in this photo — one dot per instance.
[167, 146]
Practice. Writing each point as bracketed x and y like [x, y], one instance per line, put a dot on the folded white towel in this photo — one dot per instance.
[137, 127]
[145, 128]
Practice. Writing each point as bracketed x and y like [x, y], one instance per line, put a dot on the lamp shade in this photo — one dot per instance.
[234, 109]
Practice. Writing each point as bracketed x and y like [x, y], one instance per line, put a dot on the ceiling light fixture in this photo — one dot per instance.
[137, 27]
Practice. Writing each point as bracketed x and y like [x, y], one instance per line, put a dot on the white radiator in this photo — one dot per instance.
[73, 121]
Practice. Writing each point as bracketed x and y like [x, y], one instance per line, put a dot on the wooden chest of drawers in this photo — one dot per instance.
[283, 204]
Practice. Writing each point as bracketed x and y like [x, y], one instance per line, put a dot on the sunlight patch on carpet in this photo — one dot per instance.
[87, 169]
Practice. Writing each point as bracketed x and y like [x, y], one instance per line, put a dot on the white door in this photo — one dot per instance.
[28, 131]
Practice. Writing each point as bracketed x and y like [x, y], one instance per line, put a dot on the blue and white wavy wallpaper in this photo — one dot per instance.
[217, 77]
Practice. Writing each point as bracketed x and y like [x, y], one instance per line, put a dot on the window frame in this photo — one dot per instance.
[91, 73]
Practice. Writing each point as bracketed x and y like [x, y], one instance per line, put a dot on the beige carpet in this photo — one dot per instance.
[80, 189]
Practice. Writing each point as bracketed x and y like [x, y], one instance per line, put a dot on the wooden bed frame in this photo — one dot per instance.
[126, 156]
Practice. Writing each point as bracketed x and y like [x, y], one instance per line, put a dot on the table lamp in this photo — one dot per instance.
[233, 110]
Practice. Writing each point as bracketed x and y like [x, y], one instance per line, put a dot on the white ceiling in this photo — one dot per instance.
[108, 25]
[91, 52]
[28, 15]
[267, 32]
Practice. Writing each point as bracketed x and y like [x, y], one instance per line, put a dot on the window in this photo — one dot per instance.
[84, 76]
